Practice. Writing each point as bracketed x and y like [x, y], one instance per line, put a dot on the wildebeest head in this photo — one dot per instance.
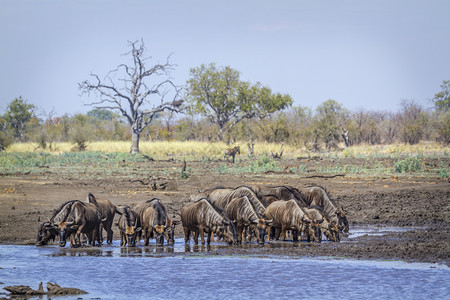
[334, 232]
[261, 229]
[46, 232]
[170, 231]
[313, 228]
[131, 234]
[159, 230]
[65, 230]
[343, 222]
[229, 232]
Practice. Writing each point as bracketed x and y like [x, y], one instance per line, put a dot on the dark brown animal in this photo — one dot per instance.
[200, 217]
[48, 231]
[288, 215]
[241, 211]
[108, 211]
[156, 223]
[317, 196]
[82, 218]
[232, 152]
[220, 197]
[129, 226]
[282, 192]
[316, 214]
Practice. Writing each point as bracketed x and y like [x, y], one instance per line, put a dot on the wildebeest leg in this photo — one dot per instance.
[109, 232]
[147, 236]
[202, 235]
[283, 232]
[295, 235]
[208, 237]
[187, 234]
[196, 233]
[240, 229]
[123, 239]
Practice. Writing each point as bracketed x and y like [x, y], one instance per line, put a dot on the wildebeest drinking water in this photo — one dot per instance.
[318, 196]
[49, 230]
[82, 218]
[242, 212]
[200, 217]
[288, 215]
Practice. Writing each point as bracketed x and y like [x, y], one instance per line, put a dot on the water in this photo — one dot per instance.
[114, 272]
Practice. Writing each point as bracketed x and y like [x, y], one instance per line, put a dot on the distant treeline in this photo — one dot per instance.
[324, 128]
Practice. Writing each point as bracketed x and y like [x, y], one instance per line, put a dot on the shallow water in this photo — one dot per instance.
[114, 272]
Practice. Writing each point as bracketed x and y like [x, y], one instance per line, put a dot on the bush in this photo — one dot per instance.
[410, 164]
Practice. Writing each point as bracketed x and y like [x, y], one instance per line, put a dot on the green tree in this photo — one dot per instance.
[218, 94]
[441, 100]
[328, 124]
[101, 114]
[413, 120]
[17, 114]
[129, 89]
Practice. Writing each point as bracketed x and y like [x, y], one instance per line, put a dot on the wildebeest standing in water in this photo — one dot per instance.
[82, 218]
[155, 222]
[317, 196]
[316, 214]
[49, 230]
[129, 226]
[288, 215]
[232, 152]
[108, 210]
[200, 217]
[242, 212]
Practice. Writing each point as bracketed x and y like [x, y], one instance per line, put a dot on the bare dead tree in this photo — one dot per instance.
[130, 89]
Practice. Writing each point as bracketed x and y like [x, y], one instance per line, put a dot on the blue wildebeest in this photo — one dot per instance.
[317, 196]
[129, 226]
[241, 211]
[200, 217]
[231, 152]
[48, 230]
[108, 210]
[156, 222]
[82, 218]
[316, 214]
[288, 215]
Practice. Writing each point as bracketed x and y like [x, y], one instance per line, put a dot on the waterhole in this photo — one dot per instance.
[193, 272]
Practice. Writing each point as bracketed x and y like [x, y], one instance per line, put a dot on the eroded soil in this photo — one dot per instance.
[421, 202]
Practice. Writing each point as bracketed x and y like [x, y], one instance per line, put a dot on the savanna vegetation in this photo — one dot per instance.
[215, 109]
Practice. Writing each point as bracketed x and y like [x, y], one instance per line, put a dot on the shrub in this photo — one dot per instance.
[410, 164]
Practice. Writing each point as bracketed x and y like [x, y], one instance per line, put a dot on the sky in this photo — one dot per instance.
[366, 55]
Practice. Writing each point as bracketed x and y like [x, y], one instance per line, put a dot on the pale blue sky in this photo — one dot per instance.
[363, 54]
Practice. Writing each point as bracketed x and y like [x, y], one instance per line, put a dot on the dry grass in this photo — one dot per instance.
[161, 150]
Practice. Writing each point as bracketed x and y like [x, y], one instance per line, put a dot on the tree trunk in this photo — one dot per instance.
[135, 142]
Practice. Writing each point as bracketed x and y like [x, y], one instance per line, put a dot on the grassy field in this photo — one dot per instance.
[161, 150]
[104, 159]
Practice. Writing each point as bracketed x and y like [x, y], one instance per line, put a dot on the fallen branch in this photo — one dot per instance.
[325, 176]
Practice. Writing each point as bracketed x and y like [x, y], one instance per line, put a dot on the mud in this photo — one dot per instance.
[380, 200]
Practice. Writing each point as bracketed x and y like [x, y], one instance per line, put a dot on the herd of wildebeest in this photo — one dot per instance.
[231, 215]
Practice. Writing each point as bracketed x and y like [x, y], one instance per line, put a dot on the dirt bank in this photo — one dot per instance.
[383, 200]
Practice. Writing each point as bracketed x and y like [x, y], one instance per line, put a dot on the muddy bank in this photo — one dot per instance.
[388, 201]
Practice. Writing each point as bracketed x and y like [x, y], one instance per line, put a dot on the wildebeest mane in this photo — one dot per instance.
[161, 213]
[60, 214]
[151, 200]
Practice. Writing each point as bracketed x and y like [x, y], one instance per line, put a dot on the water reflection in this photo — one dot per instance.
[122, 277]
